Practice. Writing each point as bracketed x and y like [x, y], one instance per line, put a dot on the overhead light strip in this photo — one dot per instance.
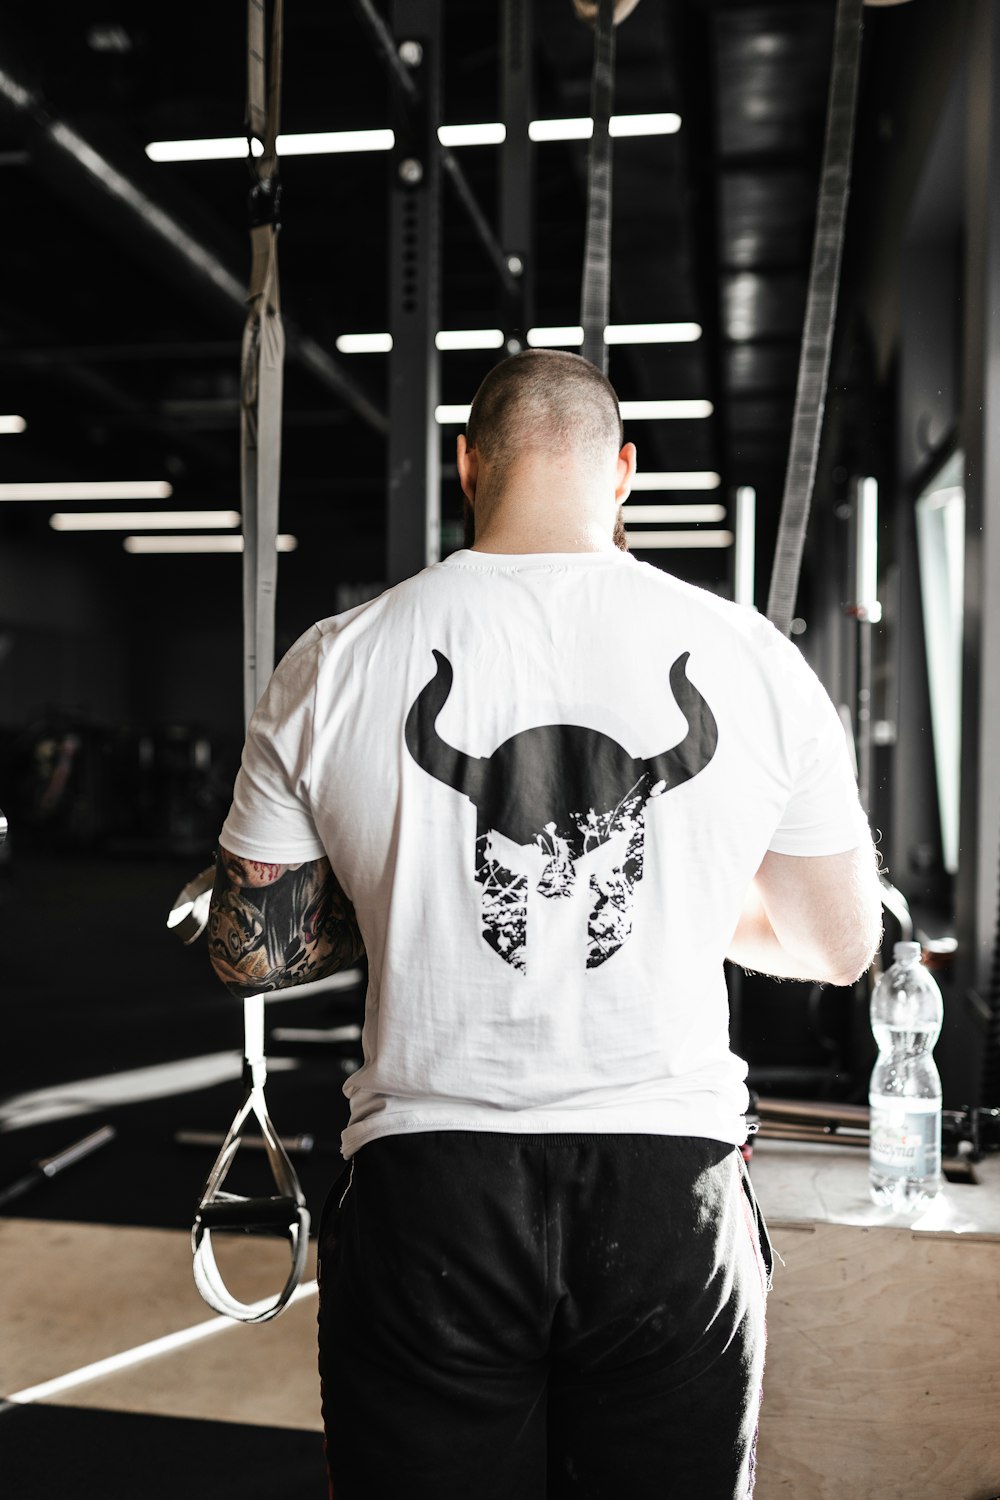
[632, 411]
[676, 479]
[660, 541]
[147, 545]
[139, 520]
[89, 489]
[582, 128]
[652, 333]
[469, 338]
[337, 142]
[12, 424]
[538, 338]
[364, 343]
[493, 134]
[651, 411]
[563, 336]
[666, 514]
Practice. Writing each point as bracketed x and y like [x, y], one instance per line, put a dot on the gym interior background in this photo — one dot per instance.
[125, 259]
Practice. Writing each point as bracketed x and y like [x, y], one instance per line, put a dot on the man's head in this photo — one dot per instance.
[542, 412]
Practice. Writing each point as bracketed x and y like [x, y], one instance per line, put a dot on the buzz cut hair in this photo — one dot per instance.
[544, 400]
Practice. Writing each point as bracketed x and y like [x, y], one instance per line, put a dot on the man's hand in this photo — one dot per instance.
[273, 925]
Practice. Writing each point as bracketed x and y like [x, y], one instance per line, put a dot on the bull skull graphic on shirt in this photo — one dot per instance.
[564, 791]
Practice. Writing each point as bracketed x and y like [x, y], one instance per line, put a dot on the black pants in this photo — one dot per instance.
[518, 1317]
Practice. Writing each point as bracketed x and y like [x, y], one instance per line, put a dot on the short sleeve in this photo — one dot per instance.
[270, 817]
[823, 814]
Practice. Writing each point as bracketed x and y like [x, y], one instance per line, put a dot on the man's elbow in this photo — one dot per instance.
[856, 956]
[850, 973]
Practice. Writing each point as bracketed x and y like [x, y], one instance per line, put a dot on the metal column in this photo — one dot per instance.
[517, 171]
[414, 500]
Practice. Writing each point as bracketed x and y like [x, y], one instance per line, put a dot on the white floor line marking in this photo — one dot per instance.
[152, 1350]
[131, 1086]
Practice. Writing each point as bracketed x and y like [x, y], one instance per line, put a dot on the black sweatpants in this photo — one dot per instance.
[518, 1317]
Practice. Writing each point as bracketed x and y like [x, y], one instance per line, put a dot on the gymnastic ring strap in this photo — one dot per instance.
[263, 112]
[820, 318]
[283, 1214]
[595, 293]
[262, 366]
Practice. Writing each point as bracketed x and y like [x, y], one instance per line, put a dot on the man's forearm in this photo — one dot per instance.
[271, 926]
[756, 947]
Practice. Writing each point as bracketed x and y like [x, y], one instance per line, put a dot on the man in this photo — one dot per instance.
[556, 787]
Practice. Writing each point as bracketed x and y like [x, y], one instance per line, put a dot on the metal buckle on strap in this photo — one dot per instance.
[284, 1215]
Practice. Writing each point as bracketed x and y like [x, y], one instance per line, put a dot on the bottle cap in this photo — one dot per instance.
[906, 953]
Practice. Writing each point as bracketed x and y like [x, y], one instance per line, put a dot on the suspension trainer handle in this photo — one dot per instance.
[283, 1214]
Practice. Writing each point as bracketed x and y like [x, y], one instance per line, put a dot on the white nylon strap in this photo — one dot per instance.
[595, 294]
[260, 470]
[262, 367]
[260, 429]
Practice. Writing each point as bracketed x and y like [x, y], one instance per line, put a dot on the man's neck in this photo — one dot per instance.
[555, 511]
[510, 540]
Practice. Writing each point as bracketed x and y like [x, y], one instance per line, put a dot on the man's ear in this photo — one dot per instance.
[625, 473]
[468, 468]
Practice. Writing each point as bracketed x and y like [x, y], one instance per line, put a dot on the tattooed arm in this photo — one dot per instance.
[272, 925]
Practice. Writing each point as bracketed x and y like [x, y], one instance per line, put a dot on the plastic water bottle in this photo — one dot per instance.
[905, 1093]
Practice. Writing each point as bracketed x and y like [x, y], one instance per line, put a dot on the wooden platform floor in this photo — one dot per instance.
[882, 1382]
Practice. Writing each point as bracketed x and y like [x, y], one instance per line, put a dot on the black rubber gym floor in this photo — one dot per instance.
[100, 1455]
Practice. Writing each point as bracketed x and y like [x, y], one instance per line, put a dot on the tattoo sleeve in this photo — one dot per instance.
[271, 926]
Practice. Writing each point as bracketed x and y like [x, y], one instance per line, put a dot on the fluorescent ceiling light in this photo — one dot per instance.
[217, 148]
[649, 411]
[454, 338]
[746, 516]
[175, 544]
[561, 130]
[677, 479]
[329, 142]
[568, 336]
[88, 489]
[581, 129]
[662, 124]
[470, 338]
[658, 541]
[312, 143]
[472, 135]
[652, 333]
[139, 520]
[558, 338]
[632, 411]
[668, 513]
[12, 424]
[364, 343]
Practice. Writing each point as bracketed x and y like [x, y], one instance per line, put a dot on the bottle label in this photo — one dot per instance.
[905, 1143]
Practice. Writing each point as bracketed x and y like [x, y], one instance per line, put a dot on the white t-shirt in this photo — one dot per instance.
[545, 781]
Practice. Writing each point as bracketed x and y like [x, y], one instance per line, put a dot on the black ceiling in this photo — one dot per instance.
[125, 363]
